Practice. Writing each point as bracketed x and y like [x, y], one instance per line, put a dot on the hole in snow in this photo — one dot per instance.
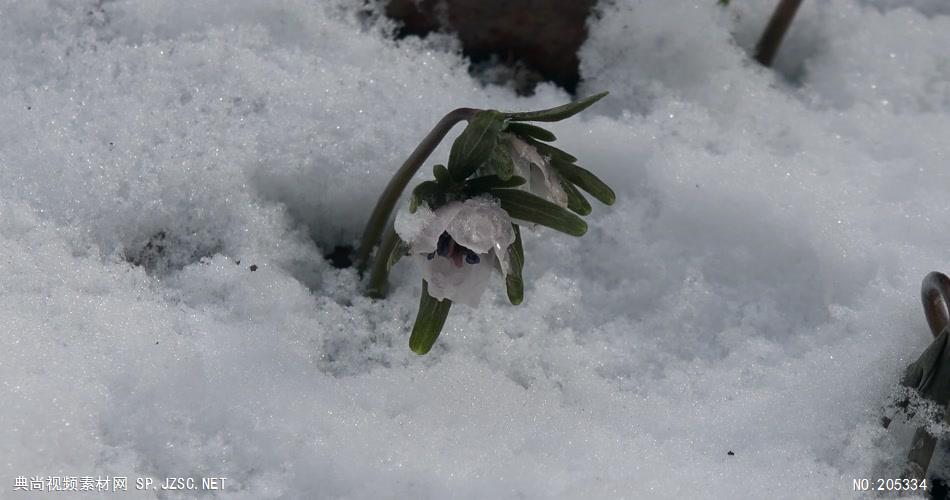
[341, 256]
[163, 252]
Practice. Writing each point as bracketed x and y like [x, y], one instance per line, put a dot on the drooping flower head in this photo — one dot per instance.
[458, 245]
[501, 172]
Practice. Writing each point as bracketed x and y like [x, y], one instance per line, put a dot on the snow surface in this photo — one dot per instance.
[754, 289]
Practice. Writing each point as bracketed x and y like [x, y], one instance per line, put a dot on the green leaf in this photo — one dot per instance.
[587, 181]
[575, 200]
[441, 175]
[500, 162]
[528, 130]
[400, 250]
[552, 152]
[556, 114]
[528, 207]
[514, 281]
[429, 321]
[475, 144]
[485, 183]
[427, 191]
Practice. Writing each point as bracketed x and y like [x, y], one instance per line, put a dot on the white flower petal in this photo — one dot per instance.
[543, 180]
[524, 152]
[464, 285]
[545, 183]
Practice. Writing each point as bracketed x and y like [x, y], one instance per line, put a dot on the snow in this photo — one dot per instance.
[754, 289]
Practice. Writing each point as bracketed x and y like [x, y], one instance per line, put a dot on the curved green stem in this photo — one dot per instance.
[387, 201]
[380, 272]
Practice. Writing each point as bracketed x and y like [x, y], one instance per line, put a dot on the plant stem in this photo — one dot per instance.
[387, 201]
[377, 277]
[774, 32]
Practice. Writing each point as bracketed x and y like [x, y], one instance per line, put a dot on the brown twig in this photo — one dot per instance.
[772, 36]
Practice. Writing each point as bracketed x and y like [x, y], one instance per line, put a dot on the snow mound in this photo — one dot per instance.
[171, 174]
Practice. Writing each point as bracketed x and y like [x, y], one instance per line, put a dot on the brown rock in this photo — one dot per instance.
[541, 35]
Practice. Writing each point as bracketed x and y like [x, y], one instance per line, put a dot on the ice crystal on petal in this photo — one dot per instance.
[409, 226]
[481, 225]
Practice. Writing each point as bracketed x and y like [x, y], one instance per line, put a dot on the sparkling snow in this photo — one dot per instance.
[754, 289]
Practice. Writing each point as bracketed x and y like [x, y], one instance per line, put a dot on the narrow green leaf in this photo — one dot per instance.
[552, 152]
[500, 162]
[399, 251]
[441, 175]
[514, 282]
[528, 130]
[427, 191]
[587, 181]
[475, 144]
[528, 207]
[575, 200]
[429, 321]
[485, 183]
[556, 114]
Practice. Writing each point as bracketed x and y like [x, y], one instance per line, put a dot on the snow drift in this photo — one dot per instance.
[753, 290]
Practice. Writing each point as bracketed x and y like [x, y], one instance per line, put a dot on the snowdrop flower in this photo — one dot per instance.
[498, 176]
[543, 180]
[458, 245]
